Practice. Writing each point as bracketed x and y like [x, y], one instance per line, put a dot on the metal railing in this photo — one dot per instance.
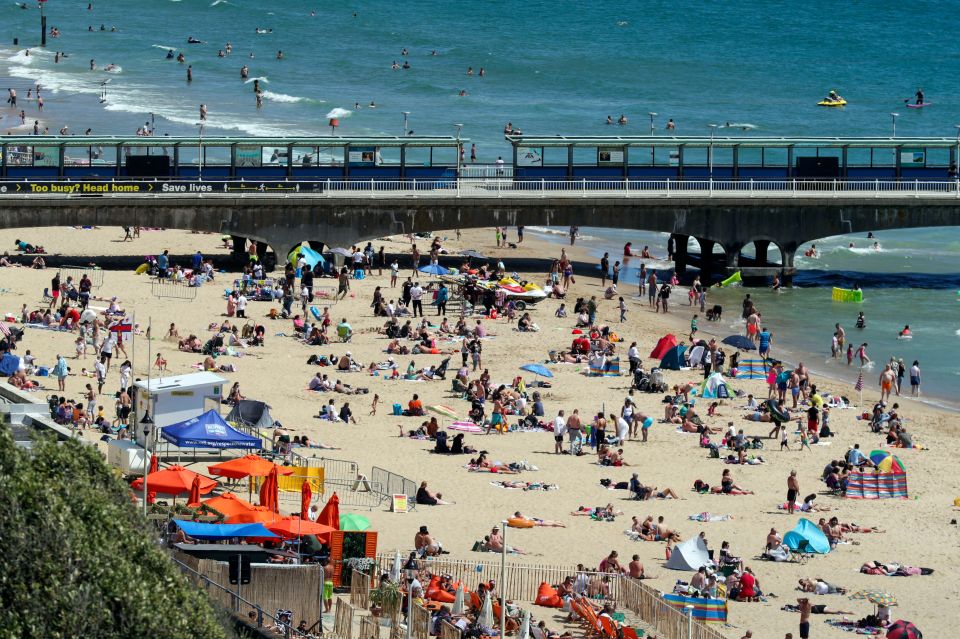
[505, 186]
[394, 484]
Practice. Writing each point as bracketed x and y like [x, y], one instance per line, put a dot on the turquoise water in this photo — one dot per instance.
[551, 68]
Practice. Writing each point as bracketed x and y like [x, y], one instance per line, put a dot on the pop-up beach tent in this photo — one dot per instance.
[251, 413]
[663, 346]
[689, 555]
[714, 387]
[806, 537]
[673, 360]
[208, 431]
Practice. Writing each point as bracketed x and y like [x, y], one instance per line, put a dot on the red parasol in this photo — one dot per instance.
[330, 516]
[194, 499]
[256, 514]
[229, 504]
[306, 494]
[293, 527]
[247, 466]
[901, 629]
[269, 492]
[175, 480]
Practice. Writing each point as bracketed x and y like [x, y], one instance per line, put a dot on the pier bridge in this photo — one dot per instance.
[748, 202]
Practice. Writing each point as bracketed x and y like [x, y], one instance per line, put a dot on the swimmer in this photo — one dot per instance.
[861, 320]
[372, 105]
[622, 120]
[192, 40]
[609, 119]
[876, 246]
[905, 332]
[170, 54]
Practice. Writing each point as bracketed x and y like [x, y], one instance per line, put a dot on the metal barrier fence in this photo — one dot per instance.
[172, 289]
[76, 272]
[332, 468]
[394, 484]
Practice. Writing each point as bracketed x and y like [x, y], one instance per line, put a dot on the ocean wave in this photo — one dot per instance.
[163, 46]
[545, 230]
[262, 79]
[282, 97]
[339, 113]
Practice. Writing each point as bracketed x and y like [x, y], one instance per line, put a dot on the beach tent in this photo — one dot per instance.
[806, 537]
[874, 485]
[714, 387]
[673, 360]
[9, 364]
[208, 431]
[752, 369]
[251, 413]
[221, 532]
[709, 610]
[696, 355]
[663, 346]
[311, 257]
[689, 555]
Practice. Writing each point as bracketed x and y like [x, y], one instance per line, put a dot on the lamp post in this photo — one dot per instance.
[894, 116]
[689, 610]
[652, 115]
[200, 151]
[458, 126]
[406, 114]
[410, 570]
[145, 423]
[503, 580]
[713, 129]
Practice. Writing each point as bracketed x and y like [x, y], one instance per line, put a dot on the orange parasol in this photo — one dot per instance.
[330, 516]
[293, 527]
[269, 492]
[306, 494]
[194, 499]
[174, 480]
[247, 466]
[229, 504]
[256, 514]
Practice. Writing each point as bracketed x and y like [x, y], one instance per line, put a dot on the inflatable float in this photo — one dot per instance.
[832, 103]
[520, 522]
[733, 279]
[847, 295]
[775, 412]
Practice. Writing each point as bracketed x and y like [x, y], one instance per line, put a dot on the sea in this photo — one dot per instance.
[557, 67]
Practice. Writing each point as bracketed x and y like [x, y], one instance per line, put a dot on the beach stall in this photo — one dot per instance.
[170, 400]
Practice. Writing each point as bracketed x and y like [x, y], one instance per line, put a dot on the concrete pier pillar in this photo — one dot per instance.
[679, 245]
[706, 259]
[732, 256]
[761, 246]
[239, 251]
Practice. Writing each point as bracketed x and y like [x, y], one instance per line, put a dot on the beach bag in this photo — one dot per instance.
[397, 410]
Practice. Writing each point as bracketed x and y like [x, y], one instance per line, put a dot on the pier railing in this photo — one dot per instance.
[495, 186]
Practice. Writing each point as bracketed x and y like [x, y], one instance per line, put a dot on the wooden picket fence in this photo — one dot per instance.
[360, 587]
[343, 620]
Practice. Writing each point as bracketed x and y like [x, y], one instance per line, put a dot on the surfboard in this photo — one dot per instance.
[919, 106]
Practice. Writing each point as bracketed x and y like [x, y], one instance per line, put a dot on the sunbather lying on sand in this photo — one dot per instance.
[546, 523]
[820, 587]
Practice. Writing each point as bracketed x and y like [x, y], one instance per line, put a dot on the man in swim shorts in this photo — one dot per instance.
[887, 377]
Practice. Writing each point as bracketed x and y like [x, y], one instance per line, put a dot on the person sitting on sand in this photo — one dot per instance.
[611, 563]
[191, 344]
[546, 523]
[728, 487]
[424, 496]
[494, 542]
[425, 544]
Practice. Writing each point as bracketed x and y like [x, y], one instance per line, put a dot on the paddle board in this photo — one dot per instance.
[919, 106]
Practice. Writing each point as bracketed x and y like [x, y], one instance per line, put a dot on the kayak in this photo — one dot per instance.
[832, 103]
[847, 295]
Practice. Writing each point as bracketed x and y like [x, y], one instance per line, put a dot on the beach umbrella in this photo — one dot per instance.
[901, 629]
[341, 251]
[434, 269]
[537, 369]
[525, 626]
[154, 464]
[247, 466]
[442, 410]
[255, 515]
[475, 254]
[330, 516]
[397, 567]
[228, 504]
[876, 597]
[459, 604]
[352, 522]
[269, 492]
[306, 494]
[293, 527]
[194, 499]
[486, 613]
[887, 462]
[175, 480]
[740, 341]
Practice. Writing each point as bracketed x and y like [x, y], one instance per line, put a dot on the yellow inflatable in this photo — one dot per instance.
[142, 269]
[847, 295]
[733, 279]
[832, 103]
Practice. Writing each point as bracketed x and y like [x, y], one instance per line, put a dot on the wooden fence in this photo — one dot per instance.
[343, 620]
[369, 627]
[449, 631]
[523, 580]
[420, 622]
[360, 587]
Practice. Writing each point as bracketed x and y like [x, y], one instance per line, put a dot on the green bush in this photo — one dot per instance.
[78, 559]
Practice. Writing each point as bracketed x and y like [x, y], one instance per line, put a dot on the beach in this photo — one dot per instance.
[918, 530]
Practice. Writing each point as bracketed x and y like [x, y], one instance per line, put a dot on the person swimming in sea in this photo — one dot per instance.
[609, 119]
[876, 246]
[192, 40]
[861, 321]
[170, 55]
[905, 332]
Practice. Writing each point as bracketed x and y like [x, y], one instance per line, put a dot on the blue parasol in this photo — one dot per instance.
[434, 269]
[537, 369]
[740, 341]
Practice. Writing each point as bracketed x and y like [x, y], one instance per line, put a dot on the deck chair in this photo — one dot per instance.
[344, 333]
[606, 626]
[631, 633]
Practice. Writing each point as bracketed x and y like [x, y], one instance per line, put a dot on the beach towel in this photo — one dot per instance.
[467, 427]
[708, 517]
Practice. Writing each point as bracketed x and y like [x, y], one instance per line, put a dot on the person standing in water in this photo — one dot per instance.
[862, 354]
[915, 379]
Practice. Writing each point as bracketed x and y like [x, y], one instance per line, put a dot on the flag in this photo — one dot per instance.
[125, 327]
[859, 385]
[4, 329]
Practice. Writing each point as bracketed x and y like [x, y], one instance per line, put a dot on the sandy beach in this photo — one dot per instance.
[919, 531]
